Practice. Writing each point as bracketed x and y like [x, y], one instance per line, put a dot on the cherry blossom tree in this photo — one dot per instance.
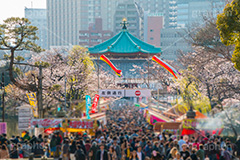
[74, 68]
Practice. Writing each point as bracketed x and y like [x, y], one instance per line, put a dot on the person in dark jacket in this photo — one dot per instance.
[128, 152]
[38, 150]
[79, 154]
[73, 149]
[93, 151]
[102, 154]
[53, 145]
[193, 155]
[14, 152]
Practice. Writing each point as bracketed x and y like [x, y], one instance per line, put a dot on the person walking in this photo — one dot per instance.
[65, 150]
[72, 150]
[4, 153]
[102, 153]
[79, 154]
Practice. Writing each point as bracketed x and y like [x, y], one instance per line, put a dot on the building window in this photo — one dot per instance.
[84, 40]
[84, 34]
[151, 30]
[96, 34]
[151, 38]
[96, 40]
[107, 34]
[121, 6]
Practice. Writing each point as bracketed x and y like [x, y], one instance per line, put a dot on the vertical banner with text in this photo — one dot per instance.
[3, 128]
[95, 103]
[33, 102]
[88, 104]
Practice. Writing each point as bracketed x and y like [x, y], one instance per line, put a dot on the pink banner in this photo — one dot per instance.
[3, 127]
[46, 123]
[154, 119]
[95, 103]
[81, 124]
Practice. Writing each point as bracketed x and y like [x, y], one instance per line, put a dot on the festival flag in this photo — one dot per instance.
[95, 103]
[169, 68]
[88, 104]
[106, 60]
[33, 102]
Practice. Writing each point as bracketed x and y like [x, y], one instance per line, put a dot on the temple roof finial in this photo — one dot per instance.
[124, 23]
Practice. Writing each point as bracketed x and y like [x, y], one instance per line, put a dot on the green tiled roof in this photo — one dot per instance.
[124, 42]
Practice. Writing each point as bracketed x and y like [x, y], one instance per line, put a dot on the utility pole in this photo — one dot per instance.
[40, 105]
[3, 96]
[148, 83]
[98, 82]
[65, 86]
[148, 72]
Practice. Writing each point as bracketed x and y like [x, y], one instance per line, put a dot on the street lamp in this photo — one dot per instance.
[2, 92]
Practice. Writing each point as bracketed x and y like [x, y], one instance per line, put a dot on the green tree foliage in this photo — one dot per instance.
[229, 26]
[188, 88]
[16, 34]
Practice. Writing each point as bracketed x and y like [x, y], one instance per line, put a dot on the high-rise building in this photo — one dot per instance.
[164, 7]
[192, 12]
[167, 8]
[66, 17]
[153, 23]
[108, 8]
[189, 14]
[172, 41]
[127, 10]
[94, 35]
[38, 18]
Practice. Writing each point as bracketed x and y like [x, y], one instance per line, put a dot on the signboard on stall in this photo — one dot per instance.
[81, 124]
[3, 128]
[46, 123]
[189, 123]
[24, 117]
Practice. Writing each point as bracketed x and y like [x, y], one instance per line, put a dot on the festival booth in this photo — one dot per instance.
[70, 124]
[173, 127]
[199, 125]
[152, 117]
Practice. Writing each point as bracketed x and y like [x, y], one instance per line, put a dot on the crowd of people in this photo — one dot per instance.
[126, 136]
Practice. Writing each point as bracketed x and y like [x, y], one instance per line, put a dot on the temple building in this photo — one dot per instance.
[125, 50]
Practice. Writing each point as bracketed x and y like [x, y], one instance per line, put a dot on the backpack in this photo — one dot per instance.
[53, 143]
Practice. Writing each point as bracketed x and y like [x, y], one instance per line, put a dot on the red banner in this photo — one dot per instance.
[95, 103]
[46, 123]
[81, 124]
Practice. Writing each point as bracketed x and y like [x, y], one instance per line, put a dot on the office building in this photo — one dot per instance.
[167, 8]
[127, 10]
[173, 41]
[38, 18]
[153, 23]
[190, 13]
[94, 35]
[66, 17]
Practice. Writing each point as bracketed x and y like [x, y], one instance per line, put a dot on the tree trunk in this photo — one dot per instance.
[28, 87]
[231, 125]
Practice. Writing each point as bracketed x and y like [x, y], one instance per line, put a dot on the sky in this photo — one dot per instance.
[15, 8]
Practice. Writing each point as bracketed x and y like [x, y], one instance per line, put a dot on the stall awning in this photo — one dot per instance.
[159, 126]
[154, 117]
[199, 115]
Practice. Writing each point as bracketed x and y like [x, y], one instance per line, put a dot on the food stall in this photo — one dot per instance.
[163, 126]
[152, 117]
[70, 124]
